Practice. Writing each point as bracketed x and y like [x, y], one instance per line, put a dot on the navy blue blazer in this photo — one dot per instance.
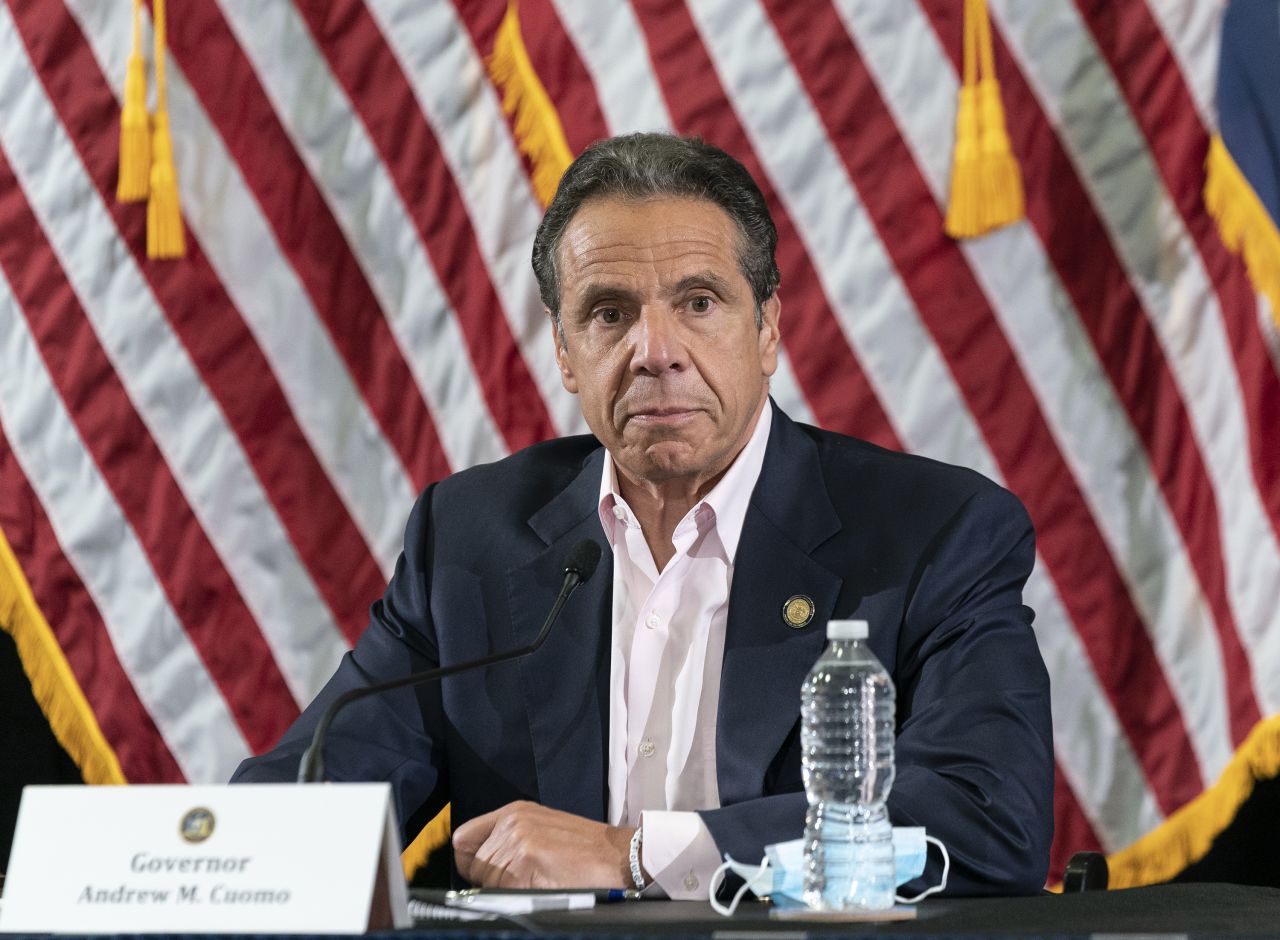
[933, 556]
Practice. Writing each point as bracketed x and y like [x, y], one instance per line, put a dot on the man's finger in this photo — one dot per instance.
[471, 834]
[498, 871]
[469, 838]
[496, 863]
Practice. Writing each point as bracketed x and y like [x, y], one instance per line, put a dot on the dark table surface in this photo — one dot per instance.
[1174, 910]
[1190, 910]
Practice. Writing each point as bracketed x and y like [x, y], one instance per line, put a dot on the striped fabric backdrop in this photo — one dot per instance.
[206, 464]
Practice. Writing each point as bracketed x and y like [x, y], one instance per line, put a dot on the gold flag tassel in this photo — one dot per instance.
[1244, 224]
[1001, 179]
[538, 131]
[165, 238]
[135, 131]
[986, 183]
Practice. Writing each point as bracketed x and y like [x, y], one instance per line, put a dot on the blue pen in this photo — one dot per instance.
[611, 895]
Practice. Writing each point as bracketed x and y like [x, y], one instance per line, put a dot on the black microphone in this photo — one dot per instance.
[579, 566]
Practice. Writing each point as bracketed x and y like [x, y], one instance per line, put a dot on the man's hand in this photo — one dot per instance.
[525, 845]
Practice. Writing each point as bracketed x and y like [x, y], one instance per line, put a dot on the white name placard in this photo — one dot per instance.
[262, 858]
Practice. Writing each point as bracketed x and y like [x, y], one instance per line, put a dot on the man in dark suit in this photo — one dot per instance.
[658, 727]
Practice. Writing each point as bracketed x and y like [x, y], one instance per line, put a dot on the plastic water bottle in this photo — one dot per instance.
[846, 736]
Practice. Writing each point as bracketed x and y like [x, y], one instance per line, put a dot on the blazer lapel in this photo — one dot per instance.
[765, 659]
[566, 681]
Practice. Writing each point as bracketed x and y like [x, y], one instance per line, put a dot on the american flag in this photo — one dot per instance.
[206, 464]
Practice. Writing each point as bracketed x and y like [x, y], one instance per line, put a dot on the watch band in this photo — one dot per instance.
[637, 873]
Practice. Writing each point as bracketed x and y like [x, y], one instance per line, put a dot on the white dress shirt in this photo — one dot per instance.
[664, 669]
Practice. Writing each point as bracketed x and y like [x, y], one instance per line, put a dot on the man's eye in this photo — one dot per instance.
[609, 315]
[700, 304]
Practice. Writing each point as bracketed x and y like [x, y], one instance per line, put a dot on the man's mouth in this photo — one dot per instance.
[663, 415]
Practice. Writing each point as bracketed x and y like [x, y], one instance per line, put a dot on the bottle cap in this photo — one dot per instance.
[846, 629]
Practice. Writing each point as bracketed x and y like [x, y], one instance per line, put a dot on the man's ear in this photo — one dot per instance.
[770, 335]
[567, 378]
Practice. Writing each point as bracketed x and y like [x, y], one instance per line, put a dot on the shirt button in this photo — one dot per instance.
[647, 748]
[652, 621]
[691, 882]
[619, 513]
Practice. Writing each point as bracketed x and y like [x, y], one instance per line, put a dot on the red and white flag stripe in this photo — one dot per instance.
[205, 465]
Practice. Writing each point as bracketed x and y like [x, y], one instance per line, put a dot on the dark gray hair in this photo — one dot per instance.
[648, 166]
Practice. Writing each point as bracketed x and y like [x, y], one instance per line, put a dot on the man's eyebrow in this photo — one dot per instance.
[592, 294]
[708, 279]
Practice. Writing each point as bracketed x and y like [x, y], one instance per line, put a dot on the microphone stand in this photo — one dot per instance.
[579, 566]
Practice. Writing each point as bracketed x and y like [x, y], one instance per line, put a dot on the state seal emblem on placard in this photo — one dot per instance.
[197, 825]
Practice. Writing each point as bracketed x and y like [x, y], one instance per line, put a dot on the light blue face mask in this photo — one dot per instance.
[781, 874]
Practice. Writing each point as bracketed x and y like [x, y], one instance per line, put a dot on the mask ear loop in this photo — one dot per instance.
[718, 876]
[941, 885]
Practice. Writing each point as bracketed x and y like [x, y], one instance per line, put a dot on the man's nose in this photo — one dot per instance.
[659, 343]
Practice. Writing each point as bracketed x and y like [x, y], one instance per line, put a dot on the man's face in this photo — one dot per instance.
[660, 337]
